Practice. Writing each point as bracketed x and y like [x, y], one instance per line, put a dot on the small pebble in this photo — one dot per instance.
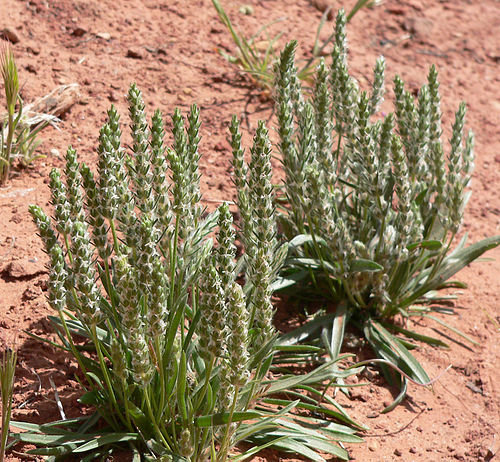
[79, 32]
[219, 147]
[397, 452]
[323, 5]
[103, 35]
[55, 152]
[10, 34]
[33, 49]
[246, 9]
[135, 53]
[372, 446]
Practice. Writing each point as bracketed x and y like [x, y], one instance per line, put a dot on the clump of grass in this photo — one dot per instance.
[7, 371]
[17, 139]
[259, 64]
[11, 83]
[372, 205]
[177, 353]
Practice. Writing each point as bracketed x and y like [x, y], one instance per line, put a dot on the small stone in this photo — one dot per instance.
[413, 450]
[42, 283]
[396, 10]
[372, 446]
[31, 293]
[24, 268]
[10, 35]
[187, 91]
[103, 35]
[246, 9]
[32, 69]
[112, 97]
[16, 218]
[79, 32]
[419, 27]
[360, 394]
[493, 447]
[495, 57]
[135, 53]
[33, 49]
[55, 152]
[397, 452]
[323, 5]
[219, 147]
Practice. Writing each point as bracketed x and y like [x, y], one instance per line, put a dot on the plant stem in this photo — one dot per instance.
[225, 444]
[8, 150]
[104, 370]
[157, 430]
[7, 371]
[116, 244]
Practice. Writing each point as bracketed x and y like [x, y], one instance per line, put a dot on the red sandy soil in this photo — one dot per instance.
[170, 48]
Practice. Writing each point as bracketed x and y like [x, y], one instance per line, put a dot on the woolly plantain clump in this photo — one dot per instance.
[371, 203]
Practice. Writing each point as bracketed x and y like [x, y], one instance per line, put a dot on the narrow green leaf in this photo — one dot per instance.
[430, 244]
[223, 418]
[328, 427]
[181, 387]
[91, 398]
[363, 265]
[415, 335]
[416, 370]
[302, 239]
[298, 348]
[296, 447]
[317, 375]
[310, 329]
[399, 398]
[254, 450]
[54, 451]
[312, 408]
[51, 440]
[282, 282]
[357, 6]
[338, 330]
[107, 439]
[453, 263]
[140, 419]
[318, 430]
[247, 430]
[450, 327]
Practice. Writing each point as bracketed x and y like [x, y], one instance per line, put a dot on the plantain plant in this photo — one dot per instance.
[372, 204]
[174, 354]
